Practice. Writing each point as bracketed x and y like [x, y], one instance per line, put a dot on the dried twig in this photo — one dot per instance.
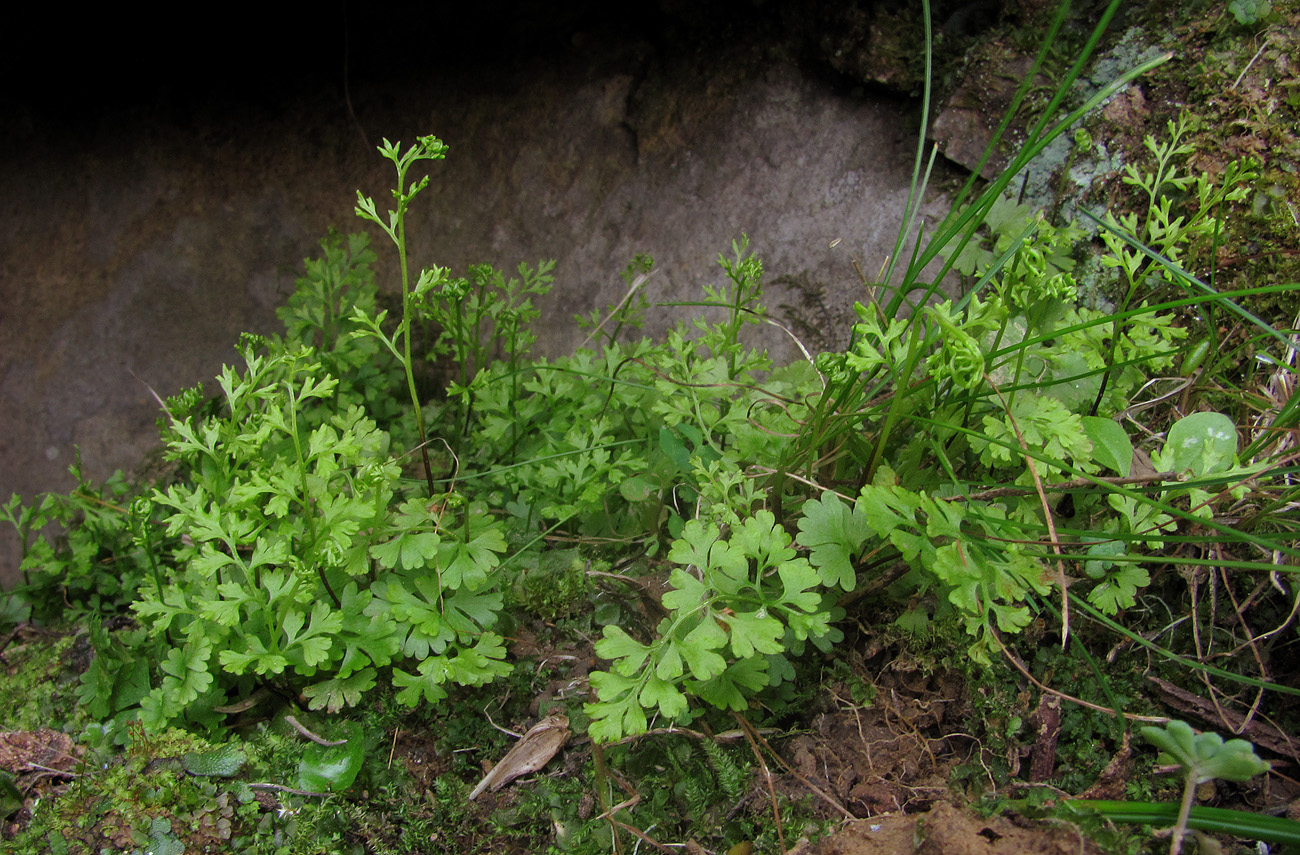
[791, 770]
[280, 788]
[1020, 666]
[1073, 484]
[767, 776]
[319, 740]
[1047, 515]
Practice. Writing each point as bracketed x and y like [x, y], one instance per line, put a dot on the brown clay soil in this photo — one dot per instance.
[948, 830]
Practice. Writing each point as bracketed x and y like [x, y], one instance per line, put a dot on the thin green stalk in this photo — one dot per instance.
[1184, 812]
[1164, 507]
[427, 148]
[1037, 140]
[1236, 823]
[1084, 606]
[916, 348]
[140, 519]
[407, 364]
[915, 192]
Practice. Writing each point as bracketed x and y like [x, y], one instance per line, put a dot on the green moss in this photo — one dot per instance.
[140, 800]
[1241, 84]
[41, 681]
[554, 584]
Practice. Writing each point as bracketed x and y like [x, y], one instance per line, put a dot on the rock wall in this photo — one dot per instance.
[144, 231]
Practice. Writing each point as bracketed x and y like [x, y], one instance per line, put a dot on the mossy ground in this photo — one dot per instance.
[934, 727]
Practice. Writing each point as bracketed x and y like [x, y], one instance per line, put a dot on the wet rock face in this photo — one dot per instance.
[148, 225]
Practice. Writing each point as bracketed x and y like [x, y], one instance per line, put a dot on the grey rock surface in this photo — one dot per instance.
[135, 251]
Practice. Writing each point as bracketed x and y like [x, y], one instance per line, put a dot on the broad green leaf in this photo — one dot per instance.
[779, 670]
[617, 644]
[1111, 446]
[1079, 382]
[754, 632]
[729, 689]
[11, 800]
[162, 841]
[797, 580]
[427, 684]
[1201, 442]
[468, 612]
[760, 537]
[699, 546]
[699, 648]
[256, 657]
[669, 662]
[334, 694]
[1205, 756]
[637, 488]
[221, 762]
[1119, 589]
[480, 664]
[1250, 12]
[835, 533]
[909, 544]
[674, 449]
[332, 769]
[96, 688]
[222, 612]
[131, 684]
[688, 593]
[468, 564]
[187, 670]
[210, 561]
[664, 695]
[1100, 555]
[954, 565]
[887, 508]
[618, 713]
[410, 550]
[291, 622]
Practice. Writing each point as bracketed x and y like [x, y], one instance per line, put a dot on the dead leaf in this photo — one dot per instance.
[533, 751]
[23, 751]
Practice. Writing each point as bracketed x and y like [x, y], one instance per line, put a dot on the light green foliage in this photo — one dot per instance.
[967, 549]
[835, 534]
[1198, 445]
[736, 607]
[80, 554]
[399, 343]
[658, 422]
[487, 316]
[1250, 12]
[332, 768]
[299, 555]
[1016, 384]
[1171, 231]
[1043, 424]
[1205, 756]
[1202, 443]
[290, 504]
[1202, 757]
[290, 551]
[117, 679]
[1008, 223]
[327, 313]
